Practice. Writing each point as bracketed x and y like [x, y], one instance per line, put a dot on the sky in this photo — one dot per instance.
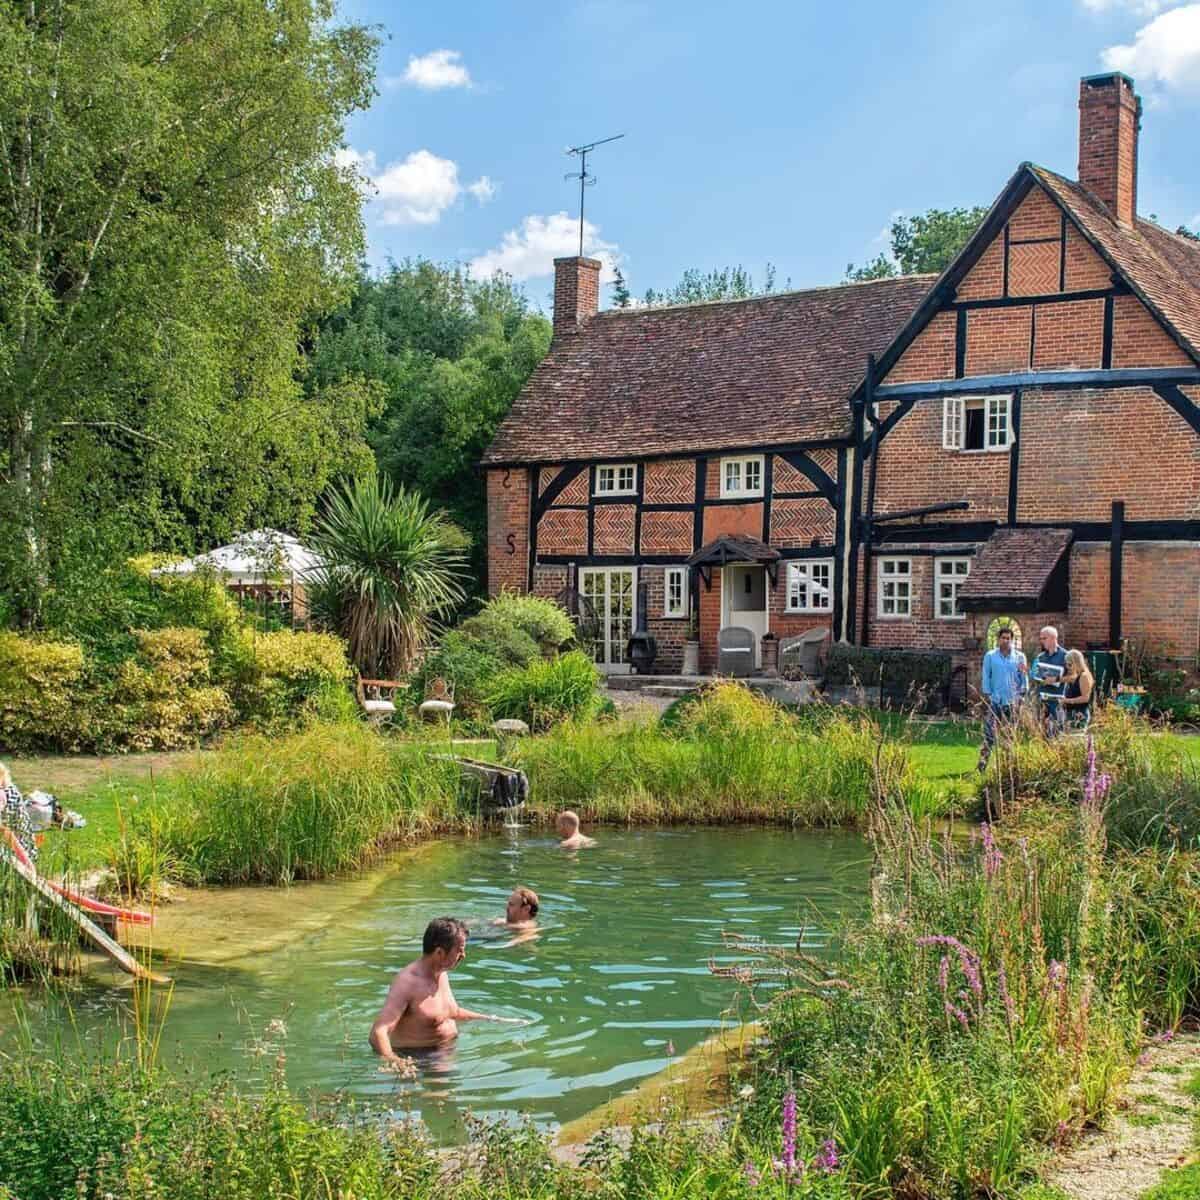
[760, 132]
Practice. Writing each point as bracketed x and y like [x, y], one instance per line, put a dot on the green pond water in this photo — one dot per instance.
[616, 986]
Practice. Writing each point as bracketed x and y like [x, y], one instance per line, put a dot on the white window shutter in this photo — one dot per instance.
[952, 423]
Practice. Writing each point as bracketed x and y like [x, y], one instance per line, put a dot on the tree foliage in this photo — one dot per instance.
[171, 218]
[921, 245]
[721, 283]
[446, 355]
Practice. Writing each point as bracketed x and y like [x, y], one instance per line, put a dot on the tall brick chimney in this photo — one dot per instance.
[576, 293]
[1110, 115]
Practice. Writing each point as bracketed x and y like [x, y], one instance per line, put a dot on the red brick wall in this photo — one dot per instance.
[1109, 114]
[670, 481]
[1070, 334]
[1086, 270]
[794, 523]
[1139, 340]
[710, 622]
[667, 533]
[915, 471]
[931, 355]
[1080, 450]
[508, 529]
[733, 518]
[998, 340]
[986, 278]
[669, 632]
[614, 528]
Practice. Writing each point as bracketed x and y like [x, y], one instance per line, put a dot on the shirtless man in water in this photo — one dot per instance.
[520, 915]
[568, 830]
[420, 1009]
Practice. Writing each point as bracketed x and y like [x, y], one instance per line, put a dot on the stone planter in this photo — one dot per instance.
[691, 658]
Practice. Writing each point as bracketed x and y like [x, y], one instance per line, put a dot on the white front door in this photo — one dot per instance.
[612, 592]
[744, 601]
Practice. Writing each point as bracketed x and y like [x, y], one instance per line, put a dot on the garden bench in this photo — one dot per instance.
[735, 651]
[804, 650]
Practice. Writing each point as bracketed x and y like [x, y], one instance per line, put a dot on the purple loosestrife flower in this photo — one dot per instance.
[944, 974]
[1056, 973]
[789, 1131]
[958, 1014]
[752, 1175]
[827, 1158]
[992, 858]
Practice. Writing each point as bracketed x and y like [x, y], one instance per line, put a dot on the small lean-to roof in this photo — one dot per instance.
[772, 370]
[1163, 268]
[733, 548]
[1016, 568]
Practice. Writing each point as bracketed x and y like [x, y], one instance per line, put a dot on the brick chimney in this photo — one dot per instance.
[1110, 115]
[576, 293]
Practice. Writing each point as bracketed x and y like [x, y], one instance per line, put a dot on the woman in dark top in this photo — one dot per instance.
[1077, 696]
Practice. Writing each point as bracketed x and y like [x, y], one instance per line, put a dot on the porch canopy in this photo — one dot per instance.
[258, 557]
[1020, 570]
[733, 548]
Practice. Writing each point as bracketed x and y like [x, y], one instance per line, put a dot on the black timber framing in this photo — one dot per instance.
[533, 475]
[1034, 300]
[827, 443]
[960, 344]
[768, 495]
[839, 544]
[1084, 531]
[858, 413]
[1014, 456]
[667, 560]
[805, 465]
[1060, 380]
[1116, 559]
[1107, 342]
[1062, 252]
[1176, 398]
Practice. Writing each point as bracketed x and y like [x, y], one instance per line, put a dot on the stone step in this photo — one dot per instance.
[639, 683]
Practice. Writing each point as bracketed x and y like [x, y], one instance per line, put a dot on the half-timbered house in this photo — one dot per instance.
[902, 460]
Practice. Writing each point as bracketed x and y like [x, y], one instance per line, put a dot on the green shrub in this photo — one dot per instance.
[39, 681]
[546, 691]
[469, 667]
[544, 621]
[907, 676]
[282, 680]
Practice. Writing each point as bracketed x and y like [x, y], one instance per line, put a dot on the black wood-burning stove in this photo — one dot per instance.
[642, 649]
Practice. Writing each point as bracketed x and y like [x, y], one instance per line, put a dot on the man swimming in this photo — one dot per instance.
[520, 915]
[568, 829]
[420, 1009]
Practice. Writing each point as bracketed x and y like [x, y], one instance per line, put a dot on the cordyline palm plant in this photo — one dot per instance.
[391, 566]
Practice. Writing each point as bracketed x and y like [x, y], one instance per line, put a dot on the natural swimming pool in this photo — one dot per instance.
[616, 986]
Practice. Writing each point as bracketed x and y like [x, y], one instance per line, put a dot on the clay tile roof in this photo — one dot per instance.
[771, 370]
[732, 548]
[1014, 567]
[1163, 267]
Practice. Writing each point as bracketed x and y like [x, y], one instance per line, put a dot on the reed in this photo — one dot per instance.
[268, 810]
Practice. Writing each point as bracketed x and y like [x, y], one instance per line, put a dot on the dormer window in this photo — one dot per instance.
[616, 479]
[742, 476]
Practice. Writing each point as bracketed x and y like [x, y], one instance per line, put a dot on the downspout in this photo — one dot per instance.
[868, 531]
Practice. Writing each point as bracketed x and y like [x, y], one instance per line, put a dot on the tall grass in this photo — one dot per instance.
[731, 756]
[265, 810]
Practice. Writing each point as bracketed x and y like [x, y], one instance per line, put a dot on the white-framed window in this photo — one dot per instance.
[895, 587]
[949, 574]
[616, 479]
[976, 422]
[675, 592]
[742, 476]
[810, 585]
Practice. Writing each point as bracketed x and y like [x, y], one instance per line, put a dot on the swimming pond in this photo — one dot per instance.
[616, 986]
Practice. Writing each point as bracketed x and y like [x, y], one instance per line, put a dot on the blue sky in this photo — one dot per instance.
[755, 132]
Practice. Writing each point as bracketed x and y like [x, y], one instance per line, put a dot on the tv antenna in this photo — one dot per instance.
[585, 177]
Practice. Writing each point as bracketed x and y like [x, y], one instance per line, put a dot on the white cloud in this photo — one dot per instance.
[417, 190]
[529, 251]
[1167, 51]
[483, 189]
[436, 70]
[1139, 8]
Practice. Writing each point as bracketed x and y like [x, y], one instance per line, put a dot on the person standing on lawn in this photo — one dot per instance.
[1003, 684]
[1048, 670]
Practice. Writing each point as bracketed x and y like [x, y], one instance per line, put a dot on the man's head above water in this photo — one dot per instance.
[445, 943]
[522, 906]
[567, 823]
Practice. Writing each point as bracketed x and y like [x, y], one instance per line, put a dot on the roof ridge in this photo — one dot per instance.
[641, 309]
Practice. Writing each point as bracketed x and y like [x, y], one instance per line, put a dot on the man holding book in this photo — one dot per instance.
[1047, 674]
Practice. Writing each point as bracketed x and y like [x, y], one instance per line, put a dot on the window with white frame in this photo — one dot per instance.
[895, 587]
[742, 476]
[616, 479]
[948, 576]
[675, 592]
[976, 422]
[810, 585]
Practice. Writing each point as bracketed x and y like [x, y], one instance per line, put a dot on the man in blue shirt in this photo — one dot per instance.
[1048, 669]
[1003, 685]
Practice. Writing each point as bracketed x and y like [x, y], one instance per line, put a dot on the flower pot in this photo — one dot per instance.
[691, 658]
[770, 655]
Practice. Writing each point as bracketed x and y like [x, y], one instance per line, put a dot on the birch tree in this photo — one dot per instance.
[172, 218]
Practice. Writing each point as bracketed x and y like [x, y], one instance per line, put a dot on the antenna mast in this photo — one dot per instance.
[585, 177]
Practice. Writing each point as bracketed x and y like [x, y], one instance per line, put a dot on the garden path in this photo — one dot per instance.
[1153, 1134]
